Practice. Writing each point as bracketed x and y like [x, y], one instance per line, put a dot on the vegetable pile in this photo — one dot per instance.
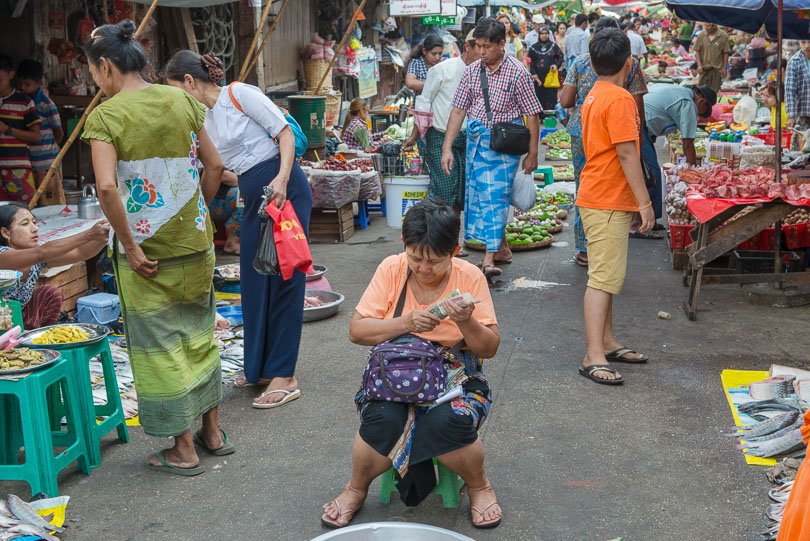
[798, 216]
[557, 139]
[563, 172]
[561, 154]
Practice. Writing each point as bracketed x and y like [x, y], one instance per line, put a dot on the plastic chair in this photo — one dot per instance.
[112, 411]
[25, 421]
[548, 174]
[448, 486]
[362, 219]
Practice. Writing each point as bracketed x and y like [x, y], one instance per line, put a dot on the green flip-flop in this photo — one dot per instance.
[226, 449]
[176, 470]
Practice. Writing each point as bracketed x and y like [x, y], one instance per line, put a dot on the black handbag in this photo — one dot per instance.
[505, 137]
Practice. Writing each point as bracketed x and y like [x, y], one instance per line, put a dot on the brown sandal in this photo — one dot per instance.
[327, 521]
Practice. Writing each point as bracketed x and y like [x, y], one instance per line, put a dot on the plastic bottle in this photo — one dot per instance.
[714, 136]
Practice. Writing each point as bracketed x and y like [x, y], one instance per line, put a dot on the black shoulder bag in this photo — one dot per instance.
[506, 137]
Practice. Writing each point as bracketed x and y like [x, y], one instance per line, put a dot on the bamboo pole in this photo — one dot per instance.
[80, 124]
[252, 48]
[340, 45]
[243, 73]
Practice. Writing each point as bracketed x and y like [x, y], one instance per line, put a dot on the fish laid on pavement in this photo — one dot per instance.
[27, 529]
[782, 445]
[773, 435]
[769, 426]
[23, 511]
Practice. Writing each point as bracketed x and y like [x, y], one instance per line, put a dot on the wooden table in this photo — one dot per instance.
[713, 239]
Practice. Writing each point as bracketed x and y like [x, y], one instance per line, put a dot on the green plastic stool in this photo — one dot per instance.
[25, 422]
[548, 174]
[449, 486]
[112, 411]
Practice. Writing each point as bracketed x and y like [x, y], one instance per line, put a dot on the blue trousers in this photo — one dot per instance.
[648, 155]
[273, 309]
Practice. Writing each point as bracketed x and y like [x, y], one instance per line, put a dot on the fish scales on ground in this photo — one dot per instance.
[768, 426]
[23, 511]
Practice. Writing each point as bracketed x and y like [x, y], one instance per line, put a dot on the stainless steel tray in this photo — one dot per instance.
[96, 332]
[219, 268]
[320, 270]
[50, 358]
[332, 300]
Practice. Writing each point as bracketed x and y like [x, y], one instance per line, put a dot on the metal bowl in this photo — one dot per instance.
[96, 332]
[332, 300]
[320, 270]
[8, 278]
[50, 358]
[392, 531]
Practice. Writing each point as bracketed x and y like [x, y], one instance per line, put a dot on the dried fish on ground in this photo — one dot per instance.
[781, 493]
[788, 443]
[773, 435]
[784, 471]
[773, 387]
[23, 511]
[768, 426]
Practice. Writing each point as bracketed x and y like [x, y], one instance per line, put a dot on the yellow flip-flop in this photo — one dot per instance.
[289, 396]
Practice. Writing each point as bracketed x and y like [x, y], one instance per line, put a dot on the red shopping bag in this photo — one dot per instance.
[291, 241]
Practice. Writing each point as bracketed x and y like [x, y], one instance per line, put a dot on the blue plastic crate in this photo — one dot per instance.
[101, 308]
[232, 313]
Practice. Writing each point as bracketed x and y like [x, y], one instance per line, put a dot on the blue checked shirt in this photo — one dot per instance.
[797, 86]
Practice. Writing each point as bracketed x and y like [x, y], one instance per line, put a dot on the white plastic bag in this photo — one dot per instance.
[524, 191]
[746, 110]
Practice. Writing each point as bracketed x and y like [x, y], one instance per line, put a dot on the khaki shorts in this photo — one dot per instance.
[607, 233]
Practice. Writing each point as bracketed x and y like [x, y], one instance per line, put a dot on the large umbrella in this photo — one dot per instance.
[780, 18]
[747, 15]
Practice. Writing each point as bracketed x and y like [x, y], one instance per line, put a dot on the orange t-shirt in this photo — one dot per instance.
[381, 296]
[609, 117]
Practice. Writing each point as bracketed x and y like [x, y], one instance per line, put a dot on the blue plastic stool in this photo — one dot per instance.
[448, 486]
[362, 219]
[377, 207]
[25, 421]
[112, 411]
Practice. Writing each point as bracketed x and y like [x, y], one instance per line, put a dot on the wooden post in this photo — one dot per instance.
[340, 45]
[252, 49]
[243, 73]
[80, 124]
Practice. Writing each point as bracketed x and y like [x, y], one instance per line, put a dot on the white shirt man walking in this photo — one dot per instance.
[576, 42]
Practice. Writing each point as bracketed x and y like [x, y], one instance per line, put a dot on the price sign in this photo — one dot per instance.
[400, 8]
[438, 20]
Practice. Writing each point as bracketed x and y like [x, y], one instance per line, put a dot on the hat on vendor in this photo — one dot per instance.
[708, 94]
[538, 19]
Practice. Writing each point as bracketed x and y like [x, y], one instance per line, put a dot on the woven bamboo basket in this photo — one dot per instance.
[313, 71]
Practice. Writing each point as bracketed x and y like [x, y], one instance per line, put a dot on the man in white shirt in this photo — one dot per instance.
[637, 46]
[576, 43]
[437, 97]
[534, 36]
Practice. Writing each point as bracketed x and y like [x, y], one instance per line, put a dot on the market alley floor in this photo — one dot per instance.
[569, 459]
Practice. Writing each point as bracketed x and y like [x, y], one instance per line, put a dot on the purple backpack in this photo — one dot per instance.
[406, 368]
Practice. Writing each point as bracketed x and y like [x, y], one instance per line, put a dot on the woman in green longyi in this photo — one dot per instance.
[148, 146]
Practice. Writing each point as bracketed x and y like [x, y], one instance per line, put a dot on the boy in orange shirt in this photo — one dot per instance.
[611, 190]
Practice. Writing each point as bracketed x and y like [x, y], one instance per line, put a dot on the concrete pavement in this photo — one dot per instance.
[569, 459]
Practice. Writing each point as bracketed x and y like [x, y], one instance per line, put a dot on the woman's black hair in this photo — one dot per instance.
[115, 42]
[185, 62]
[431, 41]
[433, 225]
[7, 214]
[604, 23]
[609, 51]
[490, 29]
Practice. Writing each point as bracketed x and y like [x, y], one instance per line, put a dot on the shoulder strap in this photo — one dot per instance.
[233, 98]
[485, 91]
[401, 301]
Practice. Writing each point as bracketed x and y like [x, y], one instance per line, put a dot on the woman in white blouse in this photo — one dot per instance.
[256, 143]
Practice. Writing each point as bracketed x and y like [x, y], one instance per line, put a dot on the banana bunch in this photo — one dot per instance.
[62, 335]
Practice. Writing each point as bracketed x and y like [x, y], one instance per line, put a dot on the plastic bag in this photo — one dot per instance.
[266, 259]
[290, 241]
[746, 110]
[552, 78]
[524, 192]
